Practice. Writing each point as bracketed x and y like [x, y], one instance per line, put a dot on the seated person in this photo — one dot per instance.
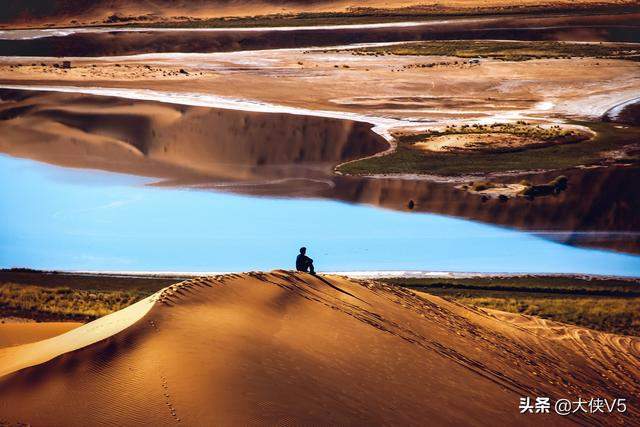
[303, 262]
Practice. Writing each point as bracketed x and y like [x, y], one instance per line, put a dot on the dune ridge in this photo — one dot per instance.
[19, 357]
[17, 331]
[282, 347]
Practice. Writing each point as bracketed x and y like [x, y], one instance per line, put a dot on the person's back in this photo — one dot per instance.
[303, 262]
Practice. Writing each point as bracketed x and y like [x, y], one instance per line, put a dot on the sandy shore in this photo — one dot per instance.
[97, 42]
[371, 352]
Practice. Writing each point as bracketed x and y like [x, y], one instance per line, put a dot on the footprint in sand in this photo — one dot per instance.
[167, 397]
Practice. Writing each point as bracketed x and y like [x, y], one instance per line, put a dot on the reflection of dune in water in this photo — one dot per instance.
[293, 156]
[598, 200]
[627, 112]
[238, 349]
[176, 141]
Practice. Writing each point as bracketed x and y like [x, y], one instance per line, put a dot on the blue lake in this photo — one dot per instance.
[57, 218]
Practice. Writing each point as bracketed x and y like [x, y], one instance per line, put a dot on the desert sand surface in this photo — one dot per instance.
[279, 347]
[14, 333]
[18, 357]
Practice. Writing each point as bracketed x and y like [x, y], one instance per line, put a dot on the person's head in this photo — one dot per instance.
[303, 250]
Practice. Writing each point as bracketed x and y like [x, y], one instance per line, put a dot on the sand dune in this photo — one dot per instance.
[18, 357]
[18, 333]
[284, 348]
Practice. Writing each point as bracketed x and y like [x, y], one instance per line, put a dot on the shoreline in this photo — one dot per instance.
[365, 274]
[381, 126]
[66, 31]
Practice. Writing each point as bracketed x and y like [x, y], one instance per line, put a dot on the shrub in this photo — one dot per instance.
[560, 182]
[481, 186]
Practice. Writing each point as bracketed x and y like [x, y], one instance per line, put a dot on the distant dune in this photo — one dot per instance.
[89, 12]
[284, 348]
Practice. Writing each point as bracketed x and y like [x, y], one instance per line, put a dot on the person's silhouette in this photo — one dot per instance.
[303, 262]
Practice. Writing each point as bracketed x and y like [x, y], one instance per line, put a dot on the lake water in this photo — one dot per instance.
[57, 218]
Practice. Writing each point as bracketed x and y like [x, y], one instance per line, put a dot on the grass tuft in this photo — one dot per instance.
[64, 303]
[506, 50]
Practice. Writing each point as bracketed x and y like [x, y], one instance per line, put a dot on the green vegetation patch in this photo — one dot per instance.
[507, 50]
[609, 305]
[540, 284]
[407, 159]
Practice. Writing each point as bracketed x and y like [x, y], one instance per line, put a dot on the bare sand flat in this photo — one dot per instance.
[18, 333]
[273, 348]
[470, 142]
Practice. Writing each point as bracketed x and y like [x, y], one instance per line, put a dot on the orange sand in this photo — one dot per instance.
[18, 333]
[274, 348]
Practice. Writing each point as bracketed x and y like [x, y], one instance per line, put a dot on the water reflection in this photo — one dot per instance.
[288, 155]
[619, 28]
[600, 208]
[68, 219]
